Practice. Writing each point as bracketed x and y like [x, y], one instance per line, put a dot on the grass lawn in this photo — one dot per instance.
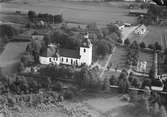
[153, 35]
[11, 56]
[119, 59]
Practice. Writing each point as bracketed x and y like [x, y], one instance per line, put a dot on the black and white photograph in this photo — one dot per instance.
[83, 58]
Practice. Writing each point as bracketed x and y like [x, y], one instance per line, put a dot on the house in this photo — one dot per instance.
[140, 30]
[55, 55]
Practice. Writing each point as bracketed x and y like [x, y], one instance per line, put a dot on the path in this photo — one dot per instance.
[105, 67]
[126, 32]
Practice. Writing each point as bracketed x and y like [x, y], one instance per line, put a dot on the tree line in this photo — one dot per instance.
[33, 16]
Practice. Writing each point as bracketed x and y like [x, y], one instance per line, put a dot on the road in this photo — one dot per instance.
[126, 32]
[107, 63]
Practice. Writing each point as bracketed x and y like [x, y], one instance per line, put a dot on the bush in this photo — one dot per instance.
[68, 94]
[150, 46]
[113, 80]
[119, 40]
[157, 46]
[106, 84]
[58, 86]
[127, 42]
[103, 48]
[142, 45]
[7, 31]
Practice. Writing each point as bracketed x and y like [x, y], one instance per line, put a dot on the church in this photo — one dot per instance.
[55, 55]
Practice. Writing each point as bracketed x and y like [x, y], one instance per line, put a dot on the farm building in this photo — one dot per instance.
[141, 30]
[56, 55]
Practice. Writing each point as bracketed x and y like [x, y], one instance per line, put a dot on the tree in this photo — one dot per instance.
[123, 82]
[127, 42]
[21, 67]
[150, 46]
[165, 60]
[58, 86]
[106, 84]
[134, 45]
[113, 28]
[31, 15]
[7, 31]
[157, 46]
[142, 45]
[165, 51]
[113, 80]
[119, 40]
[87, 79]
[103, 48]
[151, 73]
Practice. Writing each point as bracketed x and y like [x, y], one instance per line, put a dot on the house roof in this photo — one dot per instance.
[69, 53]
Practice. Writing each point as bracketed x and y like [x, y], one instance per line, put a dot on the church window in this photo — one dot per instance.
[50, 59]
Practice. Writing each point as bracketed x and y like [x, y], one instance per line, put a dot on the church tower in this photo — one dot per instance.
[86, 51]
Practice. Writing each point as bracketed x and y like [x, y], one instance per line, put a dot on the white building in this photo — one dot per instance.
[141, 66]
[56, 55]
[141, 30]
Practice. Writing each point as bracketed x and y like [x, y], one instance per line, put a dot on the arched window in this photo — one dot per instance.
[84, 50]
[50, 59]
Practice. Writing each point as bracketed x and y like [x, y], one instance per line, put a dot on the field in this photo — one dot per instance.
[83, 12]
[11, 56]
[153, 35]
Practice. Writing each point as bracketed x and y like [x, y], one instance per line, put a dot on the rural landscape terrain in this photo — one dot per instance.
[72, 58]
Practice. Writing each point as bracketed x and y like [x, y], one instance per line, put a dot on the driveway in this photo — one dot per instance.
[127, 31]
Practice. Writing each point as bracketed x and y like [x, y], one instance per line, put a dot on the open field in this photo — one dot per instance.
[154, 34]
[99, 12]
[11, 56]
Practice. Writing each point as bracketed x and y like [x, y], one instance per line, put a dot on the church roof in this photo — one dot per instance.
[69, 53]
[51, 52]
